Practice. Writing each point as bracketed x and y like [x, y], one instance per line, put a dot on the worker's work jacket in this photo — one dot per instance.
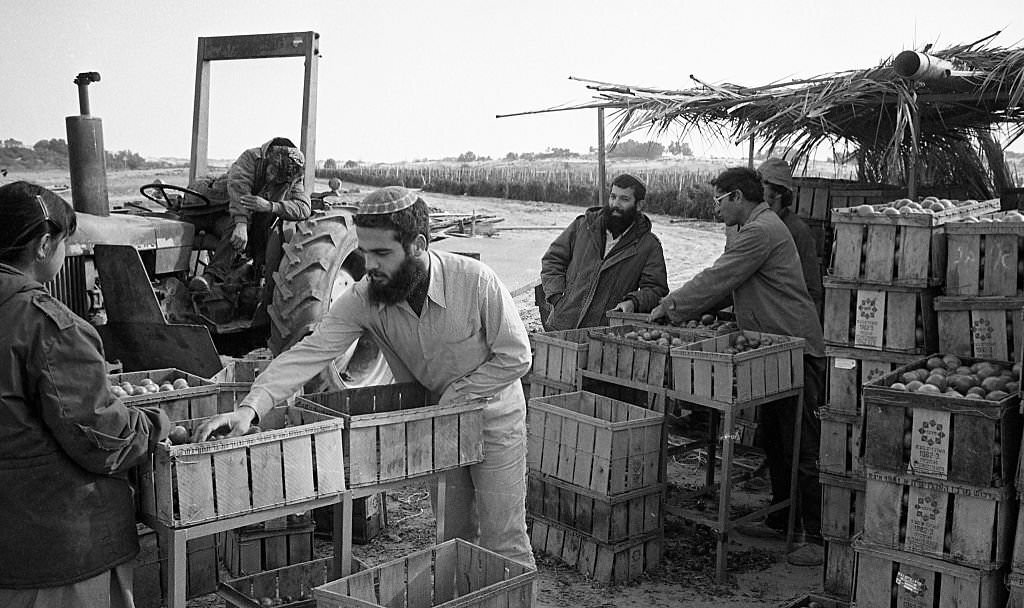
[593, 283]
[761, 269]
[66, 508]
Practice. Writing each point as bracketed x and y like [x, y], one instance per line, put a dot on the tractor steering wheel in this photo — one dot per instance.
[163, 200]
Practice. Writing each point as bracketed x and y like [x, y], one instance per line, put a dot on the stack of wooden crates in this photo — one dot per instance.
[595, 495]
[885, 274]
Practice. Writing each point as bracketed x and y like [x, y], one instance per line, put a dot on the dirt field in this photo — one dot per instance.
[758, 573]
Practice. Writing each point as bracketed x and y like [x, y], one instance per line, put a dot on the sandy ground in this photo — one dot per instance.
[758, 574]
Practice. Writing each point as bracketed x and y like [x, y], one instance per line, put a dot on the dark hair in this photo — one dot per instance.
[28, 211]
[282, 141]
[408, 222]
[784, 194]
[743, 179]
[628, 181]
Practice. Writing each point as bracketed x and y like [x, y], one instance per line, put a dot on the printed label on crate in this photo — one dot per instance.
[841, 363]
[912, 585]
[984, 337]
[926, 520]
[929, 444]
[870, 322]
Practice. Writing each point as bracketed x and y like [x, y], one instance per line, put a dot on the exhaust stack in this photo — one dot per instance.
[86, 156]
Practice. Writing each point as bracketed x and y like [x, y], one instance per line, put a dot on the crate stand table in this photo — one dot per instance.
[724, 384]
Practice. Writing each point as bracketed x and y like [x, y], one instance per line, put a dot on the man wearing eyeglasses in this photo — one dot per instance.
[607, 259]
[760, 269]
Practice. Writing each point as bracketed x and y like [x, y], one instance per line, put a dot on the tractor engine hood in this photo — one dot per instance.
[171, 240]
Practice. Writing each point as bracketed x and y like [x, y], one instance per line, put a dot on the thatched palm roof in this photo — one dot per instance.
[870, 111]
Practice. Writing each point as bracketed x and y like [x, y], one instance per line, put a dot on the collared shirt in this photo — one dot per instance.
[468, 341]
[610, 240]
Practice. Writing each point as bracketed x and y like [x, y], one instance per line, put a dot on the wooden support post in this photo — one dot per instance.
[602, 187]
[750, 153]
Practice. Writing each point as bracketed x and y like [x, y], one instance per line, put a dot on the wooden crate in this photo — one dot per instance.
[638, 364]
[605, 519]
[1015, 583]
[1017, 557]
[895, 319]
[983, 328]
[151, 563]
[200, 399]
[904, 250]
[594, 442]
[394, 433]
[813, 600]
[850, 368]
[558, 357]
[957, 523]
[814, 198]
[969, 441]
[603, 562]
[985, 259]
[724, 323]
[369, 518]
[703, 374]
[543, 387]
[296, 458]
[287, 587]
[252, 551]
[842, 519]
[454, 573]
[236, 378]
[841, 449]
[891, 579]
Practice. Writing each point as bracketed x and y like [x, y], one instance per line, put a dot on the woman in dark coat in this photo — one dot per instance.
[67, 518]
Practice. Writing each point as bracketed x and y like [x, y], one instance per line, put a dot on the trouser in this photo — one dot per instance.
[775, 430]
[110, 589]
[220, 225]
[486, 502]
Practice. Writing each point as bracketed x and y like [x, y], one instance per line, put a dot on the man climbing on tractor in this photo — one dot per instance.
[264, 185]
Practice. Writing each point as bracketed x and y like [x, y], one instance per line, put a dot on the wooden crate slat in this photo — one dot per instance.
[363, 456]
[267, 468]
[330, 462]
[420, 446]
[297, 456]
[232, 469]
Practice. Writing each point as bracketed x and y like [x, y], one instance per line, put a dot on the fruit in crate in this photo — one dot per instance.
[905, 206]
[654, 336]
[745, 341]
[178, 435]
[147, 386]
[711, 322]
[949, 377]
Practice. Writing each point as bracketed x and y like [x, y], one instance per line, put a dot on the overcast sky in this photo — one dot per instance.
[416, 79]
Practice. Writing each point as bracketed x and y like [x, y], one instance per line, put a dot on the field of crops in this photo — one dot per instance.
[674, 190]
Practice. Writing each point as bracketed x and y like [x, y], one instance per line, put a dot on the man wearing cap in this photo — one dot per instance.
[760, 269]
[445, 321]
[607, 259]
[264, 184]
[778, 193]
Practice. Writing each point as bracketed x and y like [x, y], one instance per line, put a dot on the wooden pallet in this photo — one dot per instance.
[983, 328]
[842, 519]
[253, 551]
[558, 356]
[850, 368]
[985, 259]
[392, 433]
[296, 458]
[842, 442]
[605, 519]
[150, 566]
[888, 578]
[900, 320]
[287, 587]
[957, 523]
[603, 562]
[454, 573]
[967, 441]
[594, 442]
[200, 399]
[703, 374]
[903, 250]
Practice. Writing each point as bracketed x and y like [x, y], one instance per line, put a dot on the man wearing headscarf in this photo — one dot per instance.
[263, 185]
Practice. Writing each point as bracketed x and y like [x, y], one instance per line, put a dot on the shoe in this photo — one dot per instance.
[809, 554]
[760, 529]
[199, 285]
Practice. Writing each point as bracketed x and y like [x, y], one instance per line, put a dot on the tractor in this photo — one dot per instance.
[127, 271]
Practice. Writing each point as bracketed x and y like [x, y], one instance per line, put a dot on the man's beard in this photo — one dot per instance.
[410, 275]
[617, 223]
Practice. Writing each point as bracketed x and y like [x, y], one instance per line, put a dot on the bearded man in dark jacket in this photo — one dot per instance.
[607, 259]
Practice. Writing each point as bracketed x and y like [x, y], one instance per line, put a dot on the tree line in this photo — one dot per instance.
[53, 154]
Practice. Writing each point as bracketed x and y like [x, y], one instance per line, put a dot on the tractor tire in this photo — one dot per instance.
[311, 275]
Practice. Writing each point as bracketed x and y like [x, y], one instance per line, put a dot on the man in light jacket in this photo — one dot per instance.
[607, 259]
